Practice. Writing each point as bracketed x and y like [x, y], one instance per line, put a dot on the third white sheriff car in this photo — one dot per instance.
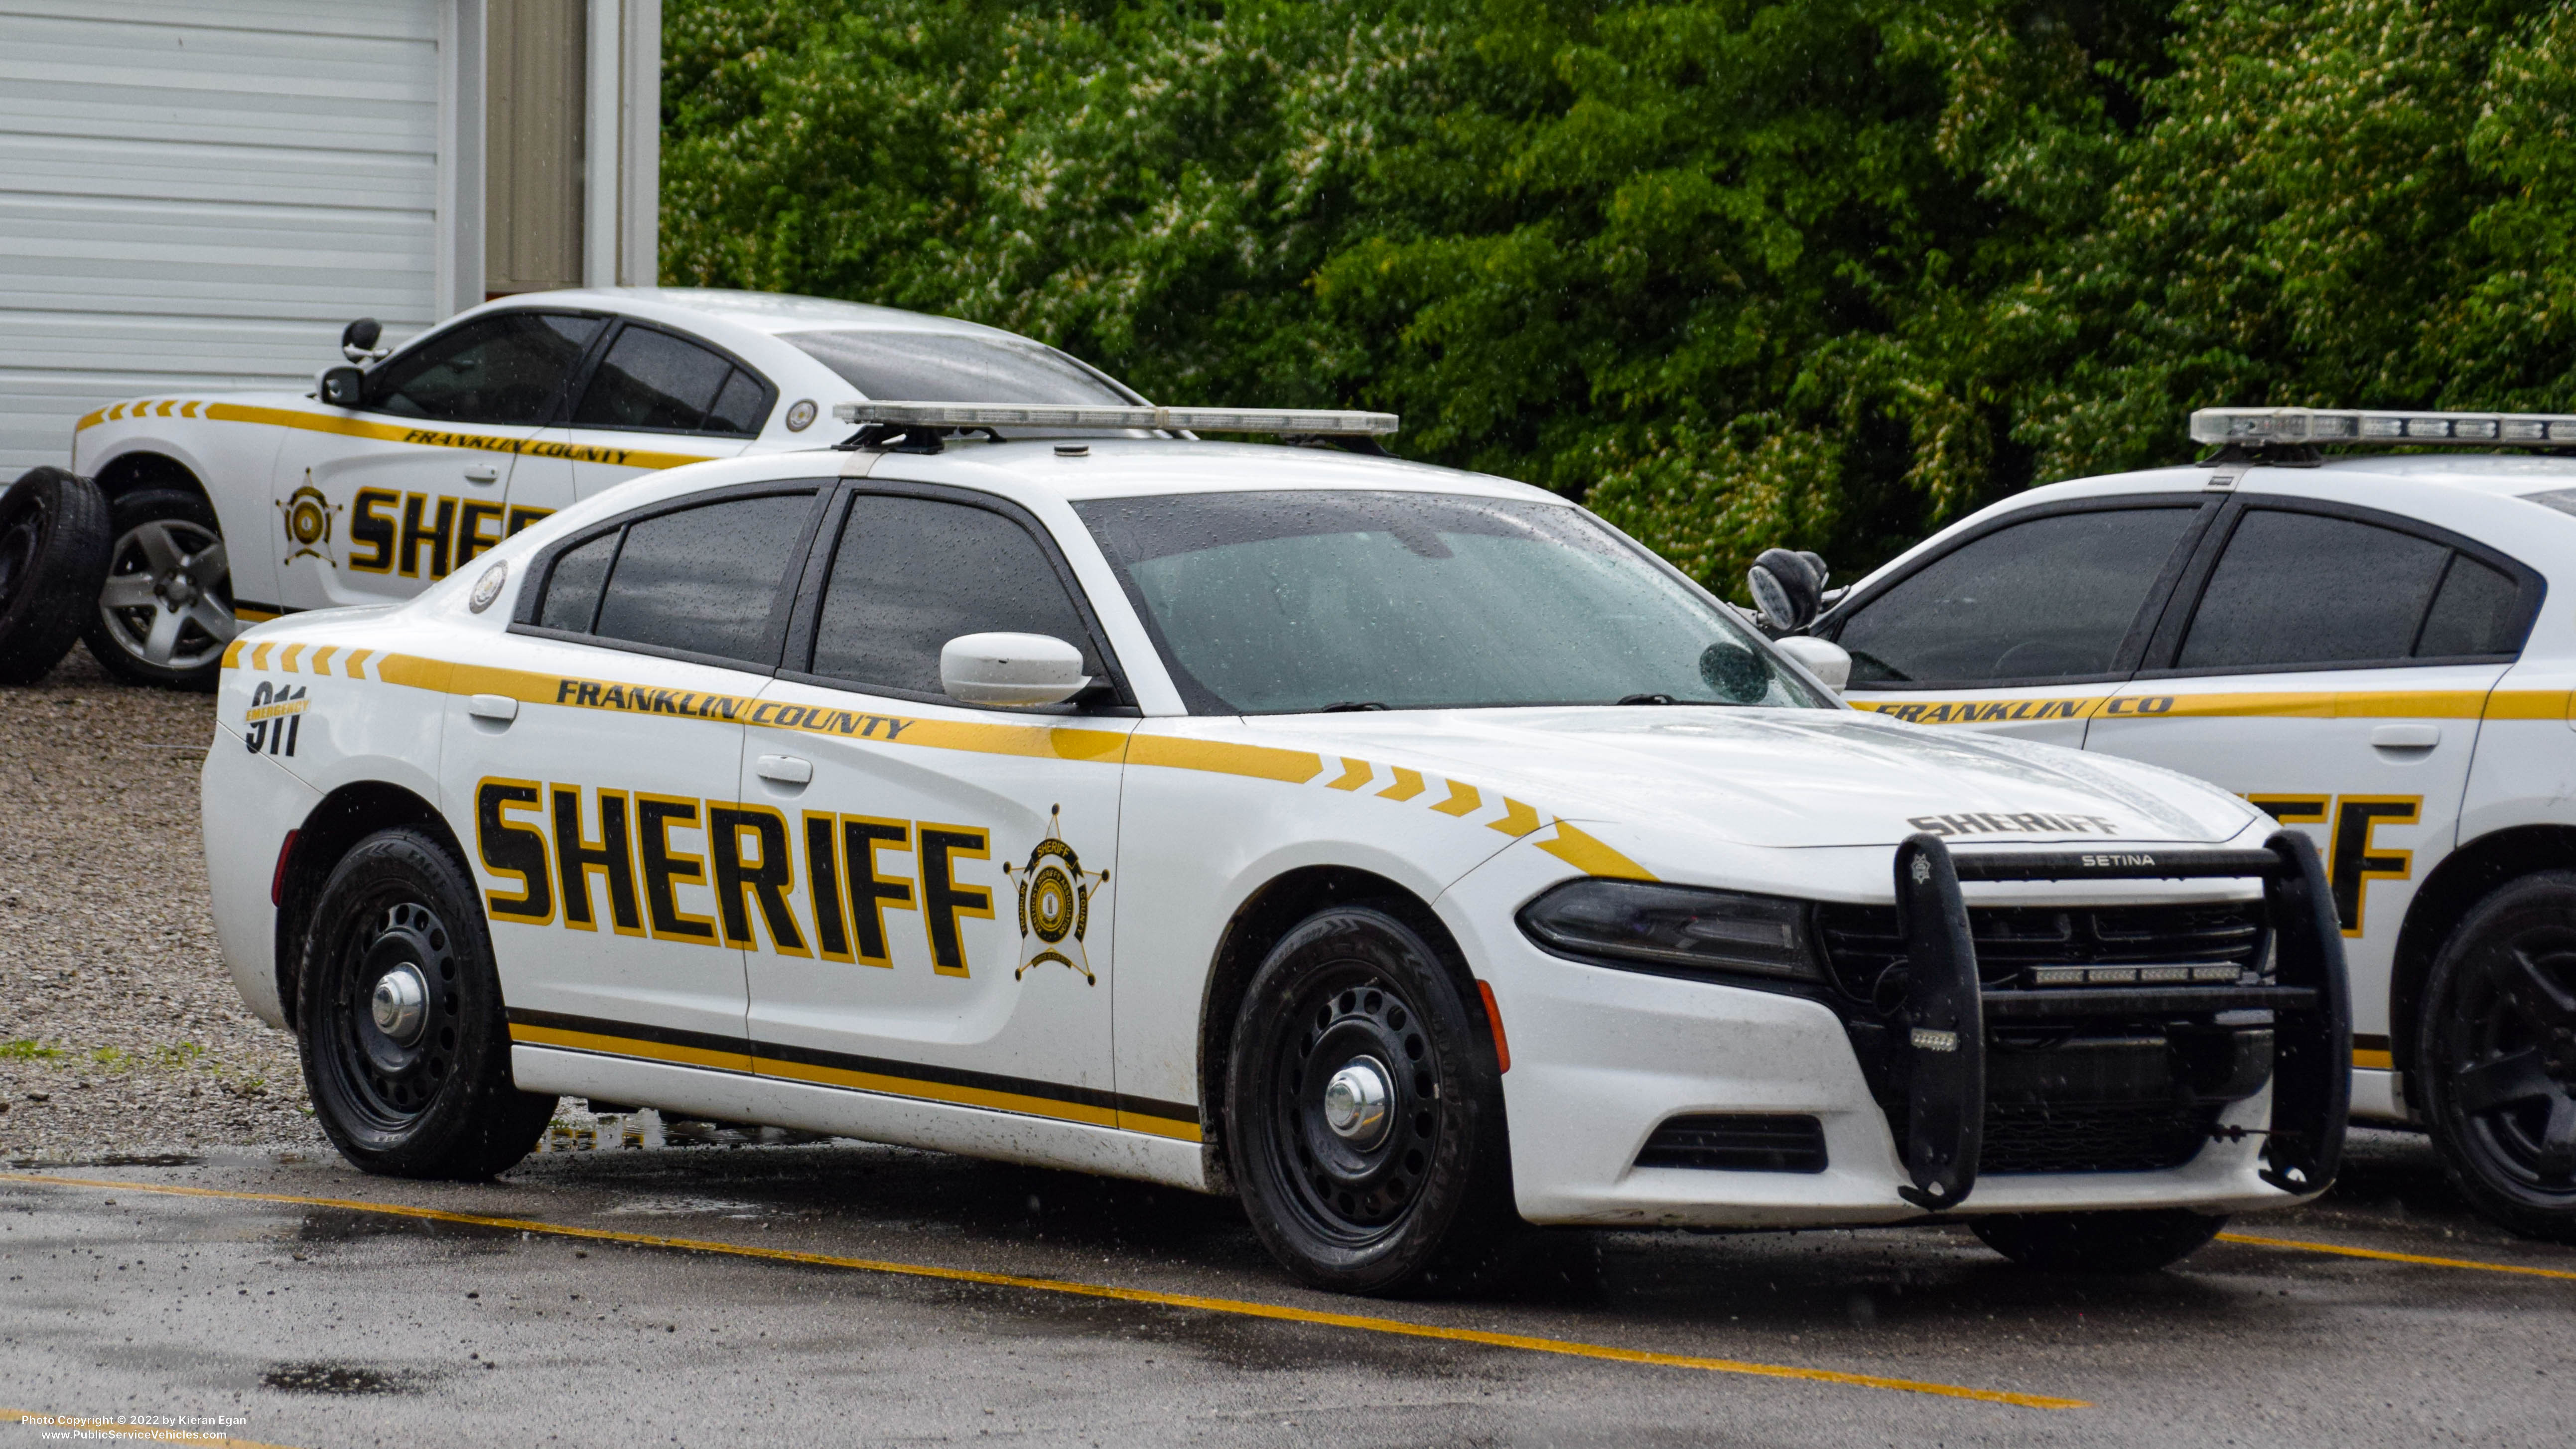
[2375, 650]
[1400, 849]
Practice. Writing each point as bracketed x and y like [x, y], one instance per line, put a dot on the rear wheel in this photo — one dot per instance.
[2498, 1055]
[2121, 1242]
[1366, 1112]
[53, 549]
[406, 1047]
[165, 612]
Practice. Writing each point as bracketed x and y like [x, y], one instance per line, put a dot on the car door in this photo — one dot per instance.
[2331, 664]
[654, 399]
[951, 940]
[2022, 627]
[377, 502]
[592, 759]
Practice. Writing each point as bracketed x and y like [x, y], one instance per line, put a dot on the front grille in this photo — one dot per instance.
[2111, 1137]
[1738, 1142]
[1861, 942]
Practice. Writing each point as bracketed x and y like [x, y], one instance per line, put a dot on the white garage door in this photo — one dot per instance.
[198, 196]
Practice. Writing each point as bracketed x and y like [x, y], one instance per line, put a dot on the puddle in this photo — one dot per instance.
[114, 1159]
[345, 1378]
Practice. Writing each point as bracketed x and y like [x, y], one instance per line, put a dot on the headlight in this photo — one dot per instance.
[1679, 929]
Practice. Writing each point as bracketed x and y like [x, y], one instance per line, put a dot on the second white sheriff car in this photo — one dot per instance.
[1403, 850]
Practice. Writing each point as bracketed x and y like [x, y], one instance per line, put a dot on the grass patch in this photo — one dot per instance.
[28, 1051]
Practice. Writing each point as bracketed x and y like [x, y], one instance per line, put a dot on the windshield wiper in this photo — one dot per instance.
[1648, 699]
[1350, 704]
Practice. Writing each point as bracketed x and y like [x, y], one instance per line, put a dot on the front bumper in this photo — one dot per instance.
[1602, 1058]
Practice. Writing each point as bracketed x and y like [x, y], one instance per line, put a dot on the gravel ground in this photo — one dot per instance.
[120, 1032]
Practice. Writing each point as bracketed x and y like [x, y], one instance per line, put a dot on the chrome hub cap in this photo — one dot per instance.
[400, 1003]
[1355, 1102]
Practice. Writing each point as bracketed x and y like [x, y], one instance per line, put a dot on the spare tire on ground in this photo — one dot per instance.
[53, 559]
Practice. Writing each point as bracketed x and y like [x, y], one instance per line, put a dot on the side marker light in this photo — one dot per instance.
[1494, 1018]
[277, 879]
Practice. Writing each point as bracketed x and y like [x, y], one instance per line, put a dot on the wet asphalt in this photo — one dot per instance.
[317, 1325]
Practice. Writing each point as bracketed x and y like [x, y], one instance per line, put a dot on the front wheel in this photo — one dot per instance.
[2497, 1053]
[406, 1047]
[1365, 1112]
[2115, 1242]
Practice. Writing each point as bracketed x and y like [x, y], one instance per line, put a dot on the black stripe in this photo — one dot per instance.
[257, 607]
[2361, 1043]
[877, 1066]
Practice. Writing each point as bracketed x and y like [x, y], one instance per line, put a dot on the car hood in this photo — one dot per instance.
[1777, 777]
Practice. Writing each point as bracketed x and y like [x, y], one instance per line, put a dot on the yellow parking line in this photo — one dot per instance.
[1237, 1306]
[104, 1426]
[2341, 1251]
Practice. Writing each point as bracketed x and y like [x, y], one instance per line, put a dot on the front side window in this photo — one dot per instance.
[910, 574]
[2307, 590]
[893, 366]
[702, 580]
[2051, 598]
[653, 380]
[1298, 601]
[505, 368]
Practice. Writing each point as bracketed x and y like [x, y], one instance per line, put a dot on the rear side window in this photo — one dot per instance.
[702, 579]
[895, 366]
[505, 368]
[2307, 590]
[656, 381]
[910, 574]
[2053, 597]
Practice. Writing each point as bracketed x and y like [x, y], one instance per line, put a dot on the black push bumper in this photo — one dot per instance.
[1939, 1046]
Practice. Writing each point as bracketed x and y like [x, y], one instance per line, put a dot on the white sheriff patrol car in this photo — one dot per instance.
[245, 506]
[1403, 850]
[2374, 650]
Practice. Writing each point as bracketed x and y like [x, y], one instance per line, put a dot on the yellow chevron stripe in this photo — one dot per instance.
[346, 426]
[1591, 856]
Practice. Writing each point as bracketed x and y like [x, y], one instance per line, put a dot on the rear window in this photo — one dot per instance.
[892, 366]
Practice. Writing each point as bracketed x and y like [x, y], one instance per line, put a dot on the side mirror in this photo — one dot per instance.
[1788, 589]
[358, 340]
[341, 387]
[1011, 669]
[1824, 658]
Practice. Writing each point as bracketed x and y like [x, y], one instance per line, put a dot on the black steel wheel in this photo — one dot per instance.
[1364, 1111]
[165, 611]
[2119, 1242]
[406, 1047]
[2497, 1053]
[53, 551]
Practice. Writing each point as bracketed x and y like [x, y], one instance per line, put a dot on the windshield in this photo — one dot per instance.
[892, 366]
[1271, 603]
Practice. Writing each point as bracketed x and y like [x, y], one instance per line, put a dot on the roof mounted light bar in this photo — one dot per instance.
[1074, 415]
[2306, 427]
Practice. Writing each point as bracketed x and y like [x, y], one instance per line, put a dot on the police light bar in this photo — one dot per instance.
[1076, 415]
[2335, 425]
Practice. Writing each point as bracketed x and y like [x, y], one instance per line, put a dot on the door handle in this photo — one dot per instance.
[2406, 736]
[499, 708]
[482, 473]
[784, 769]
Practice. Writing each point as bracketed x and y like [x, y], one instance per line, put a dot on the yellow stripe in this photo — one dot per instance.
[322, 658]
[914, 1087]
[1590, 856]
[252, 616]
[626, 1046]
[1355, 773]
[2274, 704]
[286, 660]
[382, 432]
[1171, 1127]
[79, 1423]
[1408, 783]
[2375, 1061]
[1518, 819]
[357, 660]
[90, 421]
[2528, 704]
[2340, 1251]
[233, 654]
[1259, 762]
[1463, 800]
[1238, 1307]
[259, 655]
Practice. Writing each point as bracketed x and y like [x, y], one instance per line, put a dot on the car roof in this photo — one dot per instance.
[768, 312]
[1138, 467]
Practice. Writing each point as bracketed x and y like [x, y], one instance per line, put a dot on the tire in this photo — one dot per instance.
[164, 610]
[2105, 1243]
[53, 552]
[428, 1100]
[1422, 1200]
[2496, 1047]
